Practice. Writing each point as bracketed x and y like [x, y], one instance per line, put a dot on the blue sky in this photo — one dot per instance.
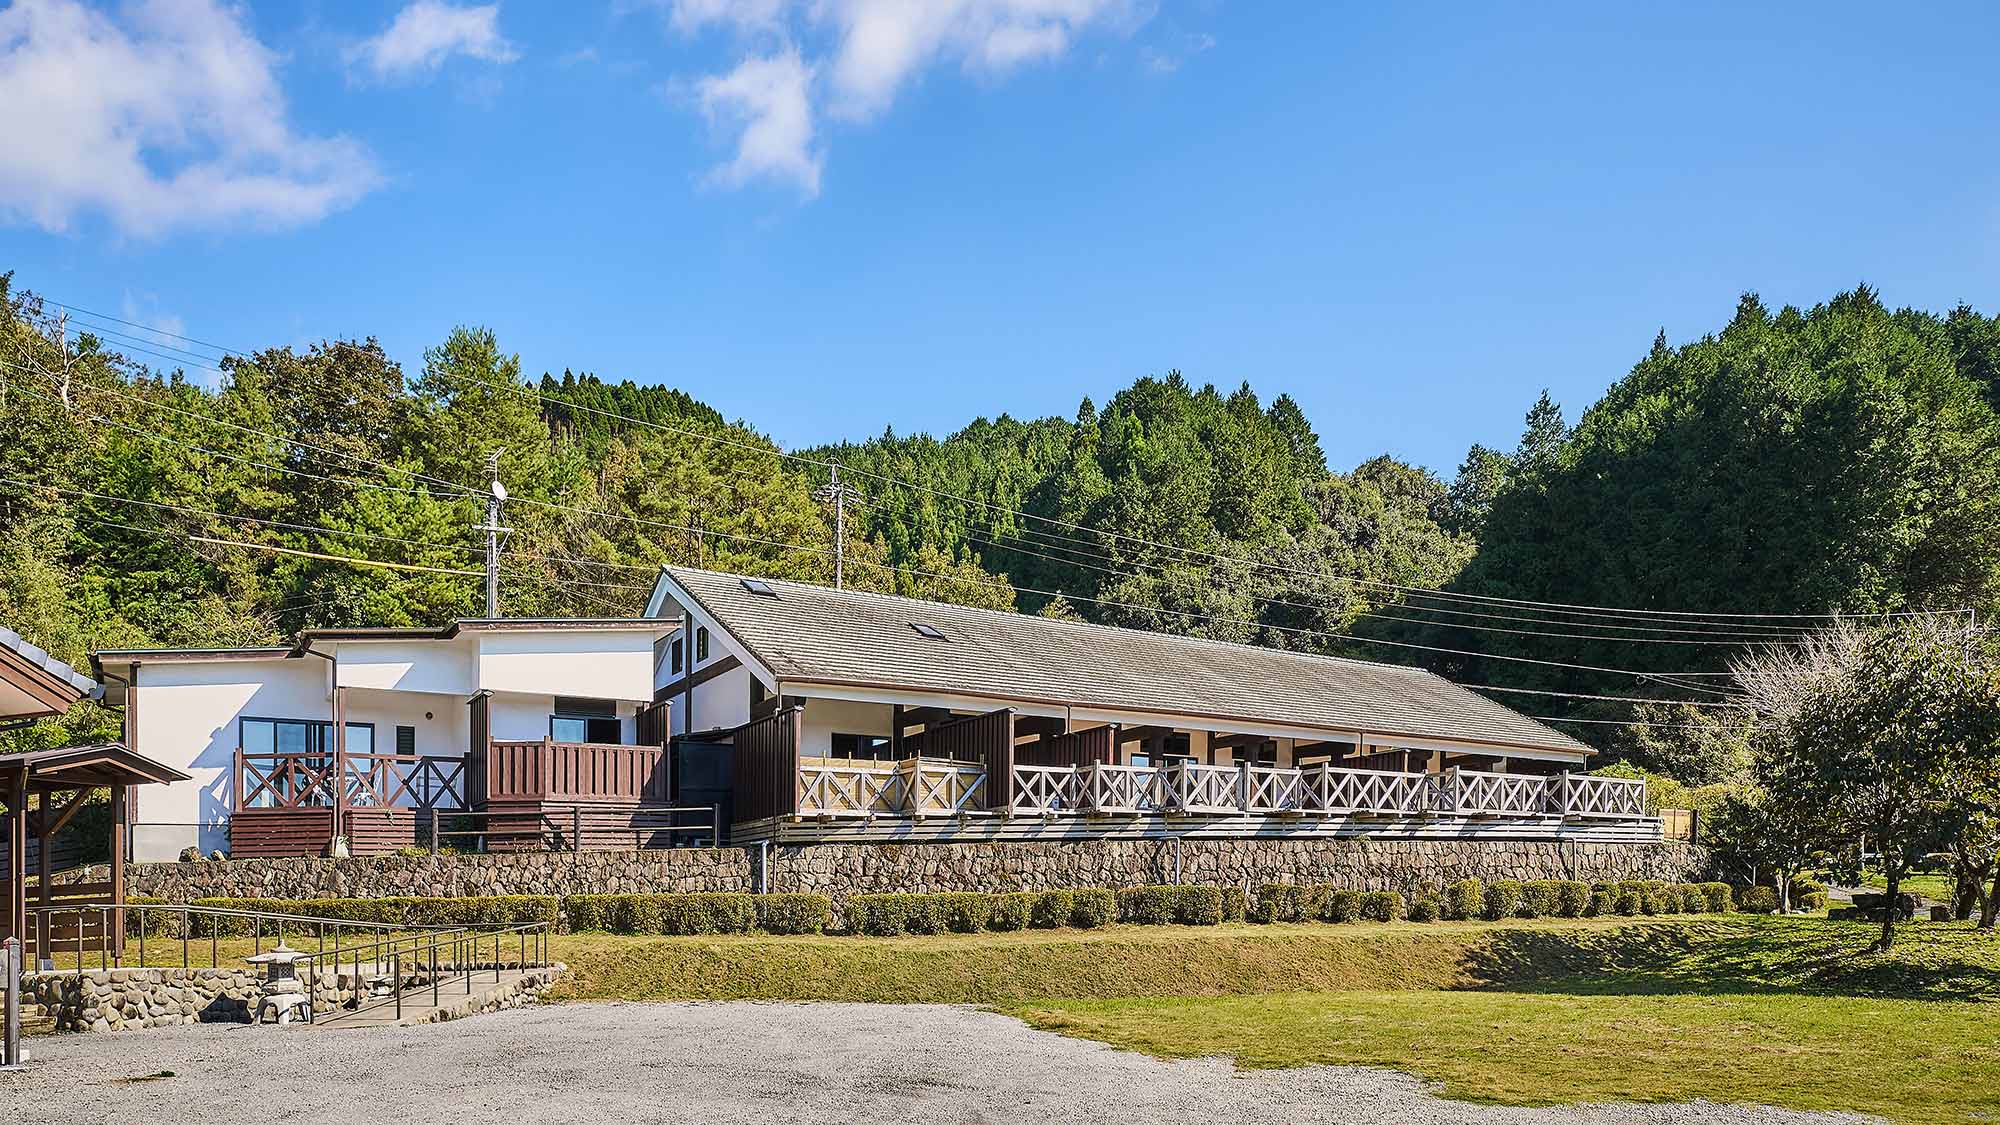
[833, 216]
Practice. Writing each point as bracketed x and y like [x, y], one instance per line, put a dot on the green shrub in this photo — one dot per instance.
[1235, 904]
[1276, 902]
[1010, 911]
[1693, 900]
[1503, 900]
[1052, 910]
[1093, 909]
[1718, 897]
[1198, 906]
[1424, 908]
[794, 913]
[1603, 901]
[587, 913]
[879, 915]
[1808, 895]
[961, 912]
[1572, 898]
[1658, 898]
[1147, 906]
[1757, 900]
[1382, 906]
[1463, 899]
[393, 911]
[1316, 902]
[1344, 906]
[1538, 899]
[1630, 898]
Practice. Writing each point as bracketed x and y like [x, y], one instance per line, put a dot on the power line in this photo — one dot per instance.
[763, 450]
[1563, 607]
[1190, 614]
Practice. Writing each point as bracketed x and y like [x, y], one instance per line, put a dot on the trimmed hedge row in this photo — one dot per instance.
[413, 910]
[1495, 901]
[891, 914]
[686, 914]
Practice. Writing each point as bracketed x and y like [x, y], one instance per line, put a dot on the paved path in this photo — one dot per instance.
[714, 1064]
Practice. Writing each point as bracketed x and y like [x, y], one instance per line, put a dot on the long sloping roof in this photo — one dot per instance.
[818, 634]
[38, 656]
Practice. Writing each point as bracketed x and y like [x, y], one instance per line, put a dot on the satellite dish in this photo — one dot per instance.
[499, 491]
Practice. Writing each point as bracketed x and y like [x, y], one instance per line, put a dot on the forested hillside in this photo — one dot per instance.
[155, 490]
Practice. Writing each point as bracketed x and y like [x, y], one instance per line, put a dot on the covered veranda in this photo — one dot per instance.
[45, 792]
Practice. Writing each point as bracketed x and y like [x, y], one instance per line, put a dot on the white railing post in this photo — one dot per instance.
[10, 981]
[1448, 791]
[1243, 786]
[1562, 794]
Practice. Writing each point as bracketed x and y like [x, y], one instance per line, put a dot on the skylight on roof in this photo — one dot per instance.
[759, 587]
[931, 631]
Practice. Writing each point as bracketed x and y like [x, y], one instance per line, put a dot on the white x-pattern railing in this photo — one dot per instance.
[1497, 793]
[927, 786]
[1124, 788]
[1199, 788]
[930, 786]
[859, 788]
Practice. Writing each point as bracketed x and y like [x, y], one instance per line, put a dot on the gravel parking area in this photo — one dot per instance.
[597, 1064]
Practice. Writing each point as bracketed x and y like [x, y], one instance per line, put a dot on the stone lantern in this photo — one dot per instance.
[284, 992]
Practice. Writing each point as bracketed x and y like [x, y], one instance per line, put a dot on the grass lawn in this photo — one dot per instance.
[1934, 888]
[1786, 1011]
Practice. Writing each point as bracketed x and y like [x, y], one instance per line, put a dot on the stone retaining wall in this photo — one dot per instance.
[843, 869]
[131, 999]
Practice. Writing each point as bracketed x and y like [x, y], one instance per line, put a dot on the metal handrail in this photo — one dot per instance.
[463, 941]
[553, 827]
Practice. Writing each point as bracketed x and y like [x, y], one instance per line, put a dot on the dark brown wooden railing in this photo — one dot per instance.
[765, 758]
[987, 739]
[574, 771]
[378, 781]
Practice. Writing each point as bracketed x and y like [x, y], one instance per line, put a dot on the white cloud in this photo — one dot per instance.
[425, 34]
[769, 100]
[1168, 59]
[170, 115]
[872, 49]
[689, 16]
[885, 43]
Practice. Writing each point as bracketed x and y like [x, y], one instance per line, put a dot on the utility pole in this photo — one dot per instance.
[838, 494]
[62, 347]
[496, 492]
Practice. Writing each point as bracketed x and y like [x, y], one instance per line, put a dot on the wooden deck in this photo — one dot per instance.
[517, 795]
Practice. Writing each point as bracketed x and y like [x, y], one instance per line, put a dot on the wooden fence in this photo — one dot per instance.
[987, 740]
[574, 771]
[765, 765]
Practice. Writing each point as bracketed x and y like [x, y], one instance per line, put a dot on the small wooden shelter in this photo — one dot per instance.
[44, 790]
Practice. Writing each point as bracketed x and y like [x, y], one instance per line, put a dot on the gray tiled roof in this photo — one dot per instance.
[83, 684]
[815, 633]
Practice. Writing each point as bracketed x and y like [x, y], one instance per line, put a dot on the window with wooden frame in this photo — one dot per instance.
[700, 644]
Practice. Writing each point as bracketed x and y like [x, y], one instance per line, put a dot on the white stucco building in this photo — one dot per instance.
[446, 694]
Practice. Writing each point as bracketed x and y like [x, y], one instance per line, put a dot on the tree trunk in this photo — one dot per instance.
[1784, 881]
[1990, 909]
[1888, 938]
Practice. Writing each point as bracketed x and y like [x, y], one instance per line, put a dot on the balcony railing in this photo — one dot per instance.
[912, 787]
[1319, 791]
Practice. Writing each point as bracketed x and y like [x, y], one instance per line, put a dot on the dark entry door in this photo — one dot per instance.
[703, 776]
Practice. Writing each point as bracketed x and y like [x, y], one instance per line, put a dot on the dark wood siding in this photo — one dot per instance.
[987, 739]
[1078, 748]
[765, 765]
